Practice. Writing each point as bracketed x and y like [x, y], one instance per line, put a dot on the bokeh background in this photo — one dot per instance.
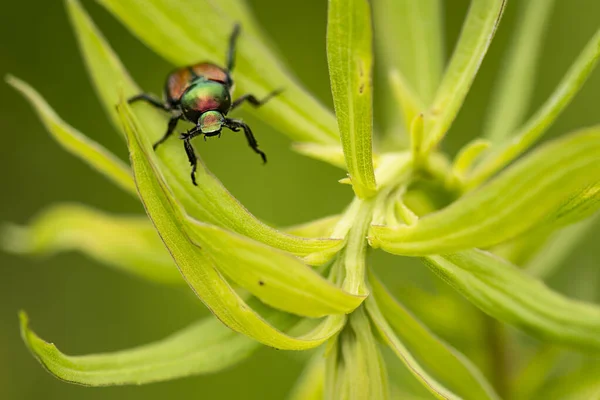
[84, 307]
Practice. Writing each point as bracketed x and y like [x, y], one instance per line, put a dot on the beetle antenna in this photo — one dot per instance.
[232, 42]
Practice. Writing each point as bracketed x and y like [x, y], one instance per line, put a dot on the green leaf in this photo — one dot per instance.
[553, 186]
[75, 142]
[508, 294]
[364, 366]
[210, 201]
[350, 59]
[322, 227]
[514, 89]
[128, 243]
[410, 104]
[477, 33]
[391, 340]
[195, 264]
[556, 249]
[441, 361]
[276, 278]
[409, 36]
[332, 154]
[204, 347]
[311, 382]
[186, 33]
[537, 125]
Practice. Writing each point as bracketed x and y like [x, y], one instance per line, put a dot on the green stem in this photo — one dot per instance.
[356, 249]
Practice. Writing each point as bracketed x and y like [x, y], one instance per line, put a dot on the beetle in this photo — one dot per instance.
[201, 94]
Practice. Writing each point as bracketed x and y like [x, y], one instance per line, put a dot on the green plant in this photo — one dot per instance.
[309, 287]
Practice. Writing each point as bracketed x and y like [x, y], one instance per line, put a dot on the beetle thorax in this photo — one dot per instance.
[203, 96]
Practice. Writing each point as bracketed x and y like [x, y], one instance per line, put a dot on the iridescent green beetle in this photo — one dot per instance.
[201, 94]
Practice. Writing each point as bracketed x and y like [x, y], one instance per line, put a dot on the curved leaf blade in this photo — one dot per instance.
[276, 278]
[186, 33]
[350, 59]
[390, 339]
[204, 347]
[210, 202]
[75, 142]
[477, 33]
[553, 186]
[537, 125]
[196, 266]
[448, 365]
[128, 243]
[510, 295]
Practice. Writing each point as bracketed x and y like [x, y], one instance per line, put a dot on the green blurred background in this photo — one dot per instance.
[84, 307]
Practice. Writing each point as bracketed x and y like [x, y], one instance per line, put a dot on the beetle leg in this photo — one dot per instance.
[148, 98]
[231, 52]
[253, 100]
[189, 150]
[170, 128]
[235, 125]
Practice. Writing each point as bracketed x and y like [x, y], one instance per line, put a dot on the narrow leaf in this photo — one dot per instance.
[477, 33]
[275, 277]
[410, 104]
[446, 364]
[390, 339]
[514, 89]
[186, 33]
[322, 227]
[129, 244]
[75, 142]
[537, 125]
[511, 296]
[196, 266]
[204, 347]
[350, 58]
[553, 186]
[210, 201]
[364, 366]
[409, 36]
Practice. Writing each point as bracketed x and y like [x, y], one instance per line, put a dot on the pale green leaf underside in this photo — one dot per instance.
[186, 33]
[539, 123]
[477, 33]
[441, 360]
[195, 265]
[128, 243]
[510, 295]
[75, 142]
[555, 185]
[350, 59]
[210, 201]
[276, 278]
[204, 347]
[515, 85]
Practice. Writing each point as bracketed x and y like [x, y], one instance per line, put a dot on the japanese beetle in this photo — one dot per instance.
[201, 94]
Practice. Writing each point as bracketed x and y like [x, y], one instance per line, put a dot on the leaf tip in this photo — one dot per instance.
[14, 239]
